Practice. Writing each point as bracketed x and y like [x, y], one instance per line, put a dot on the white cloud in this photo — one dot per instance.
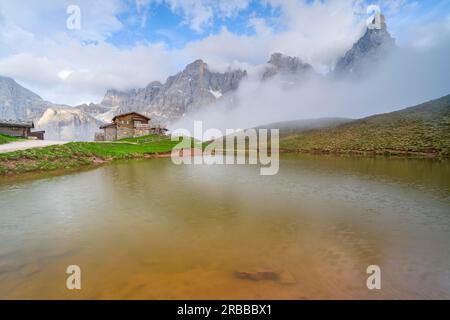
[64, 74]
[36, 49]
[47, 19]
[318, 33]
[93, 69]
[408, 77]
[199, 14]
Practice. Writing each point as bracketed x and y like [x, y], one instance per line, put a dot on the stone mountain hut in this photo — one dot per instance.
[128, 125]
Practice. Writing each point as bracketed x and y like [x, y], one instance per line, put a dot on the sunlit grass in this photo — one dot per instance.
[7, 139]
[422, 129]
[76, 154]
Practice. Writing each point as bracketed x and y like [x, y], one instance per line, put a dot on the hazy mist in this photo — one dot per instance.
[409, 76]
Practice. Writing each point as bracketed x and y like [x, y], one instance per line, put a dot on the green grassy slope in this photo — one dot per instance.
[76, 154]
[423, 129]
[7, 139]
[299, 126]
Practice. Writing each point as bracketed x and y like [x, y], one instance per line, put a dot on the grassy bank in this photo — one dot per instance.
[423, 130]
[7, 139]
[76, 154]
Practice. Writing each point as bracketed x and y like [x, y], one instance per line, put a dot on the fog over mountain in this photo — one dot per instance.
[190, 90]
[68, 124]
[280, 65]
[185, 92]
[374, 46]
[374, 76]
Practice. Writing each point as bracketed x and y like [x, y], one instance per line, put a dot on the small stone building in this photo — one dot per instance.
[128, 125]
[38, 135]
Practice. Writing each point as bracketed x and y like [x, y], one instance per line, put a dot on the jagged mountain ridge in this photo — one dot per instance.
[292, 67]
[187, 91]
[68, 124]
[372, 47]
[17, 102]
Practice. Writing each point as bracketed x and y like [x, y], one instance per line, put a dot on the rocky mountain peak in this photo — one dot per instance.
[114, 97]
[68, 124]
[374, 45]
[193, 88]
[285, 65]
[197, 65]
[17, 102]
[115, 92]
[154, 84]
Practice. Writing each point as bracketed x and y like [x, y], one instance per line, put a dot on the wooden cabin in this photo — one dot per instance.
[16, 128]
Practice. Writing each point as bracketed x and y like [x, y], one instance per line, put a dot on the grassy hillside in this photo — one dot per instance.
[77, 154]
[419, 130]
[299, 126]
[7, 139]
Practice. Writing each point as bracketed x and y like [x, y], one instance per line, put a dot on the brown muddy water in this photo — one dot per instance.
[151, 230]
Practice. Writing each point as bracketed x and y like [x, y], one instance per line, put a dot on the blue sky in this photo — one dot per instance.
[158, 21]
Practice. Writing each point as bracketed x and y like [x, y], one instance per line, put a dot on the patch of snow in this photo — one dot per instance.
[216, 94]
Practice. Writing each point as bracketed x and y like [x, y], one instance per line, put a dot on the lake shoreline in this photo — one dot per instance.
[373, 153]
[13, 167]
[23, 165]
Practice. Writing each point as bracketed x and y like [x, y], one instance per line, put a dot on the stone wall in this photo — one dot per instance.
[141, 132]
[110, 134]
[124, 132]
[99, 137]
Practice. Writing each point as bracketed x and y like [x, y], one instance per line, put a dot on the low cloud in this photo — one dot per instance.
[408, 77]
[36, 49]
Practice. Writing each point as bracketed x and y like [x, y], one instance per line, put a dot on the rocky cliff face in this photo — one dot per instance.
[293, 67]
[17, 102]
[373, 46]
[193, 88]
[68, 124]
[189, 90]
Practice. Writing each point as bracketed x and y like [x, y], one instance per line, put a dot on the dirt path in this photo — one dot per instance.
[22, 145]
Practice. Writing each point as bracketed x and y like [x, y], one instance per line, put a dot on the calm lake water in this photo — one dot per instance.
[152, 230]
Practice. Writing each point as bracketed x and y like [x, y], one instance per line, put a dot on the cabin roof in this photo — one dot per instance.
[129, 113]
[17, 124]
[108, 125]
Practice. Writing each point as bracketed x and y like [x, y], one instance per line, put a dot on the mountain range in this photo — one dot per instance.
[374, 45]
[190, 90]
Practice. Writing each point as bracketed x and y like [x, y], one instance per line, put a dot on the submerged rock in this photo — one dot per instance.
[283, 277]
[257, 275]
